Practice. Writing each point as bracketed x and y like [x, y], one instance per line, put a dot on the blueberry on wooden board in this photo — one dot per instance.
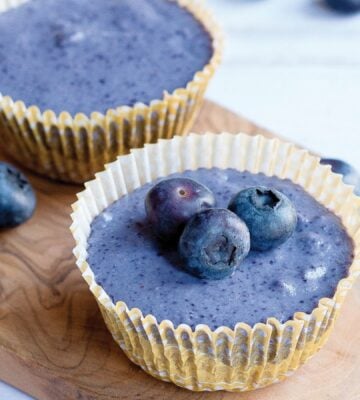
[345, 6]
[350, 175]
[17, 197]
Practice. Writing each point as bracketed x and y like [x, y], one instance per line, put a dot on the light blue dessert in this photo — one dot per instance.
[133, 266]
[85, 56]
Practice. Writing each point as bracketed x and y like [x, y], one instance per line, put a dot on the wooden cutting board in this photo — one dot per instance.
[54, 344]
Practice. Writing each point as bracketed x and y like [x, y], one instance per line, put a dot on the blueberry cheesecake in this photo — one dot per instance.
[118, 73]
[236, 272]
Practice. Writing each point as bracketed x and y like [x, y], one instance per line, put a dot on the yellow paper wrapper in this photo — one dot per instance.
[246, 357]
[72, 148]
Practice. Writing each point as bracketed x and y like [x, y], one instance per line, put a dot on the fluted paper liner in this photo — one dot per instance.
[246, 357]
[72, 149]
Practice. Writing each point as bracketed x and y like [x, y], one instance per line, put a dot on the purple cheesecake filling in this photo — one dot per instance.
[132, 266]
[92, 55]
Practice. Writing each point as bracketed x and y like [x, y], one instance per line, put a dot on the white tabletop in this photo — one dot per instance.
[293, 67]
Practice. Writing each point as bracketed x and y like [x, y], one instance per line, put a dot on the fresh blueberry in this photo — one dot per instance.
[172, 202]
[345, 6]
[214, 243]
[269, 215]
[350, 175]
[17, 198]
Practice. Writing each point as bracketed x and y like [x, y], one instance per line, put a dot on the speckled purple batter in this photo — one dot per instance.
[92, 55]
[132, 266]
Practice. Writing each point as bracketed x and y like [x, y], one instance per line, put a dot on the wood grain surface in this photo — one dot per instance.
[54, 344]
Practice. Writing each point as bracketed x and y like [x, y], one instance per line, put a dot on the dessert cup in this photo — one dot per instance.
[236, 358]
[72, 148]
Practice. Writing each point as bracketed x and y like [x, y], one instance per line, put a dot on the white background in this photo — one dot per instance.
[291, 66]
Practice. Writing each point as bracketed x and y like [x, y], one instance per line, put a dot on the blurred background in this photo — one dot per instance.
[292, 67]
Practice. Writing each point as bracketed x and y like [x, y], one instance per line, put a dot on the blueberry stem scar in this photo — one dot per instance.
[266, 198]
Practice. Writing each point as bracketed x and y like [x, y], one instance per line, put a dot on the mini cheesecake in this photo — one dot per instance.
[275, 309]
[82, 82]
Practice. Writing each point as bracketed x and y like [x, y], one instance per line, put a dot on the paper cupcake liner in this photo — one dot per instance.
[246, 357]
[72, 149]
